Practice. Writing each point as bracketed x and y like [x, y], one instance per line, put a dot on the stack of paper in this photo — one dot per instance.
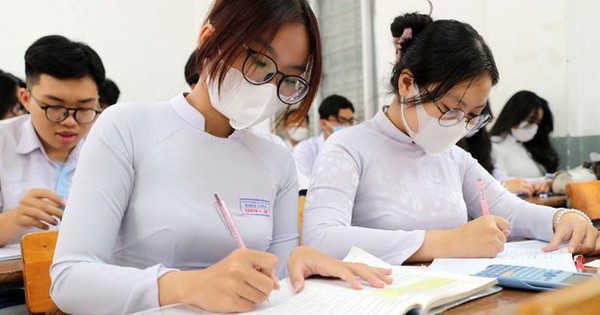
[527, 253]
[10, 252]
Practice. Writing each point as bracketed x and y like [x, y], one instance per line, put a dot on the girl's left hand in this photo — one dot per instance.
[306, 261]
[572, 227]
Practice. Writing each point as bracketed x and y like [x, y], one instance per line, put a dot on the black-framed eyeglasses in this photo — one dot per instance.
[343, 121]
[259, 69]
[455, 116]
[60, 113]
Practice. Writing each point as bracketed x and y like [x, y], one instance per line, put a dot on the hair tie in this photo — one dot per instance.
[406, 35]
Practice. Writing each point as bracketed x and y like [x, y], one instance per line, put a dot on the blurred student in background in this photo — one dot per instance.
[479, 144]
[294, 132]
[10, 106]
[109, 94]
[521, 144]
[336, 113]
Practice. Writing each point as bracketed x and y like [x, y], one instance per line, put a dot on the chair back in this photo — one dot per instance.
[37, 251]
[585, 196]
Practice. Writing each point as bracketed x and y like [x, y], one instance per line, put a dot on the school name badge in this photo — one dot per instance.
[255, 207]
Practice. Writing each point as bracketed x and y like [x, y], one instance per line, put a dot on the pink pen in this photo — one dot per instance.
[484, 206]
[228, 221]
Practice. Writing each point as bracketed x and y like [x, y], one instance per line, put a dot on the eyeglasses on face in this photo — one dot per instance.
[454, 116]
[259, 69]
[57, 113]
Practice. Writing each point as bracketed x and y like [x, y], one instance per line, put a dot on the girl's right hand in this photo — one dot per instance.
[237, 283]
[483, 237]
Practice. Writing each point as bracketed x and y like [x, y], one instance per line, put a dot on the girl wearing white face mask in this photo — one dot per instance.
[398, 187]
[293, 131]
[143, 229]
[521, 140]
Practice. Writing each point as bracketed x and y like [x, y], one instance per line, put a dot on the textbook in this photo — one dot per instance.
[415, 290]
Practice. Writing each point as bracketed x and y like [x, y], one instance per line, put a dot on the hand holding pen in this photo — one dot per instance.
[236, 283]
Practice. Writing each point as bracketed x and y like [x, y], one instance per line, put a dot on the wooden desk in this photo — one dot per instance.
[11, 270]
[552, 201]
[504, 302]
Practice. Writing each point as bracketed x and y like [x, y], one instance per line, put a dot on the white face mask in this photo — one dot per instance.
[433, 138]
[298, 134]
[525, 132]
[245, 104]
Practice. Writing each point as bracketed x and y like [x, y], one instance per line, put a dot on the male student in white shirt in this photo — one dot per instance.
[336, 112]
[38, 152]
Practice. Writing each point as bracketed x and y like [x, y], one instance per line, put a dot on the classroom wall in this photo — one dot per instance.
[546, 46]
[144, 44]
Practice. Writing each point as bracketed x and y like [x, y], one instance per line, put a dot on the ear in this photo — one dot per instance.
[24, 98]
[406, 84]
[205, 33]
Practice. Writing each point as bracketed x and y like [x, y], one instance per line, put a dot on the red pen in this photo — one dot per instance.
[484, 206]
[578, 259]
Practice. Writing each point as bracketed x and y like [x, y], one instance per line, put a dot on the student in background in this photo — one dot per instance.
[479, 144]
[294, 132]
[398, 187]
[336, 113]
[141, 229]
[109, 94]
[39, 151]
[10, 106]
[521, 140]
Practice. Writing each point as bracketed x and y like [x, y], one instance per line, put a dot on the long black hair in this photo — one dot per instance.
[480, 145]
[442, 54]
[517, 109]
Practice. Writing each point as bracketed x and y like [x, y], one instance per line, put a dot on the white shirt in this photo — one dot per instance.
[271, 136]
[142, 203]
[512, 159]
[24, 165]
[372, 187]
[305, 155]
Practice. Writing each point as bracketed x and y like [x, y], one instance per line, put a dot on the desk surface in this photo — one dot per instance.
[504, 302]
[11, 270]
[552, 201]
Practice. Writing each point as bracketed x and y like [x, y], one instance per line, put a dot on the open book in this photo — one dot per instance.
[414, 290]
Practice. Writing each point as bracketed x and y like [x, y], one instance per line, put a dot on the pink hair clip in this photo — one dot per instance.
[406, 35]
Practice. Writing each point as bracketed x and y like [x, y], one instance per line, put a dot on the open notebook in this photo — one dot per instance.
[415, 290]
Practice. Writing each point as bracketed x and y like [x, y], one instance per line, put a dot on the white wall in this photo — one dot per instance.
[529, 41]
[144, 44]
[583, 68]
